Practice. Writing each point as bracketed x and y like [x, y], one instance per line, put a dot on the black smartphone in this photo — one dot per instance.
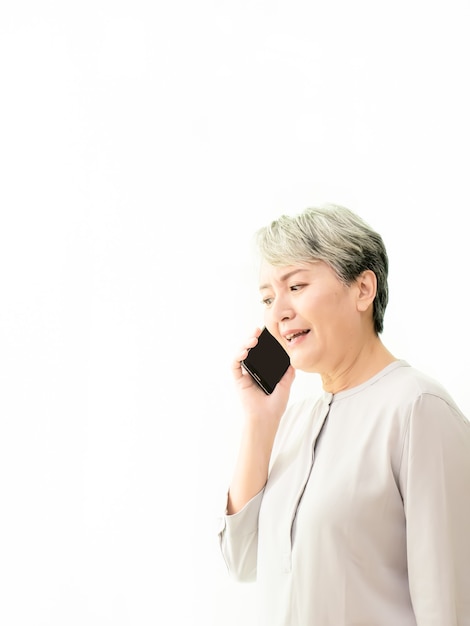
[267, 362]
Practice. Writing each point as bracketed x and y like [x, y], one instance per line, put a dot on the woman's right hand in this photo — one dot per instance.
[262, 416]
[255, 402]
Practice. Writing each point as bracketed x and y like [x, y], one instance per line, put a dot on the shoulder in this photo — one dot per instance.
[410, 384]
[398, 394]
[426, 398]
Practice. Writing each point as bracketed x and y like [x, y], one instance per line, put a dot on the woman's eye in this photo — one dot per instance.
[267, 301]
[296, 287]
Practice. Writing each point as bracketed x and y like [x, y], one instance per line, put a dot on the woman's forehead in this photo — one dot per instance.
[281, 273]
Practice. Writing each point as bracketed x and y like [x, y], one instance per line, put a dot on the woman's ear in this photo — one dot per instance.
[366, 289]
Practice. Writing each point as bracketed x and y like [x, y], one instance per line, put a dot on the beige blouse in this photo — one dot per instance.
[365, 518]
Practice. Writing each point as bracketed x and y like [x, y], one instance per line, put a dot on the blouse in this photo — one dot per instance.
[365, 516]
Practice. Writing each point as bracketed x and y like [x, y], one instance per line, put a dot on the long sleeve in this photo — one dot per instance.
[435, 484]
[238, 536]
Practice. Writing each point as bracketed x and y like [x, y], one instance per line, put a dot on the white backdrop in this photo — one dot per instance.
[141, 144]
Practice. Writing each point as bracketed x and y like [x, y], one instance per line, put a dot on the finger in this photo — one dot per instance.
[288, 378]
[250, 343]
[237, 369]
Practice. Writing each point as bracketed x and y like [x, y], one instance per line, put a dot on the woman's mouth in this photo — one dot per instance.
[291, 336]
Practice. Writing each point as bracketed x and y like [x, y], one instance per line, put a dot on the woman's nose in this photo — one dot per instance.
[282, 310]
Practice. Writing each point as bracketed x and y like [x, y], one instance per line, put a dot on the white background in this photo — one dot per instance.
[141, 145]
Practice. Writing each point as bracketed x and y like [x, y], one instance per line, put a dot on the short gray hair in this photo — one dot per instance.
[335, 235]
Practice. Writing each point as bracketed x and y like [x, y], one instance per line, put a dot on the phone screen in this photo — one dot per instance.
[267, 362]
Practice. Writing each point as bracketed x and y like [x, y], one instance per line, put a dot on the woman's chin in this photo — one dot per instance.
[303, 365]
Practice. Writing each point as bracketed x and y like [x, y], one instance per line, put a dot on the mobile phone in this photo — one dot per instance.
[267, 362]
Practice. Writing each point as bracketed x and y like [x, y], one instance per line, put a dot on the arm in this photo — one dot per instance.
[435, 482]
[251, 468]
[262, 416]
[239, 530]
[238, 536]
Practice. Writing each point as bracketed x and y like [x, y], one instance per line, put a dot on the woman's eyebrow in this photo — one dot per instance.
[285, 277]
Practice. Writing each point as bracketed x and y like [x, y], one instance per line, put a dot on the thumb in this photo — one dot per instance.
[288, 378]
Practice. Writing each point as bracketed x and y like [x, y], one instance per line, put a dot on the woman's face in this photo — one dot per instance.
[311, 313]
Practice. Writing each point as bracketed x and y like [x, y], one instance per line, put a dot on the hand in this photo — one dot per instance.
[255, 402]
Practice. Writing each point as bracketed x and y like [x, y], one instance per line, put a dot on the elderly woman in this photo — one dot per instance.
[353, 508]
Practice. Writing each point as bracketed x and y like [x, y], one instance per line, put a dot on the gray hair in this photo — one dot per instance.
[335, 235]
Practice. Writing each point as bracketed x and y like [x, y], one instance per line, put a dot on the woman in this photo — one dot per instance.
[352, 509]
